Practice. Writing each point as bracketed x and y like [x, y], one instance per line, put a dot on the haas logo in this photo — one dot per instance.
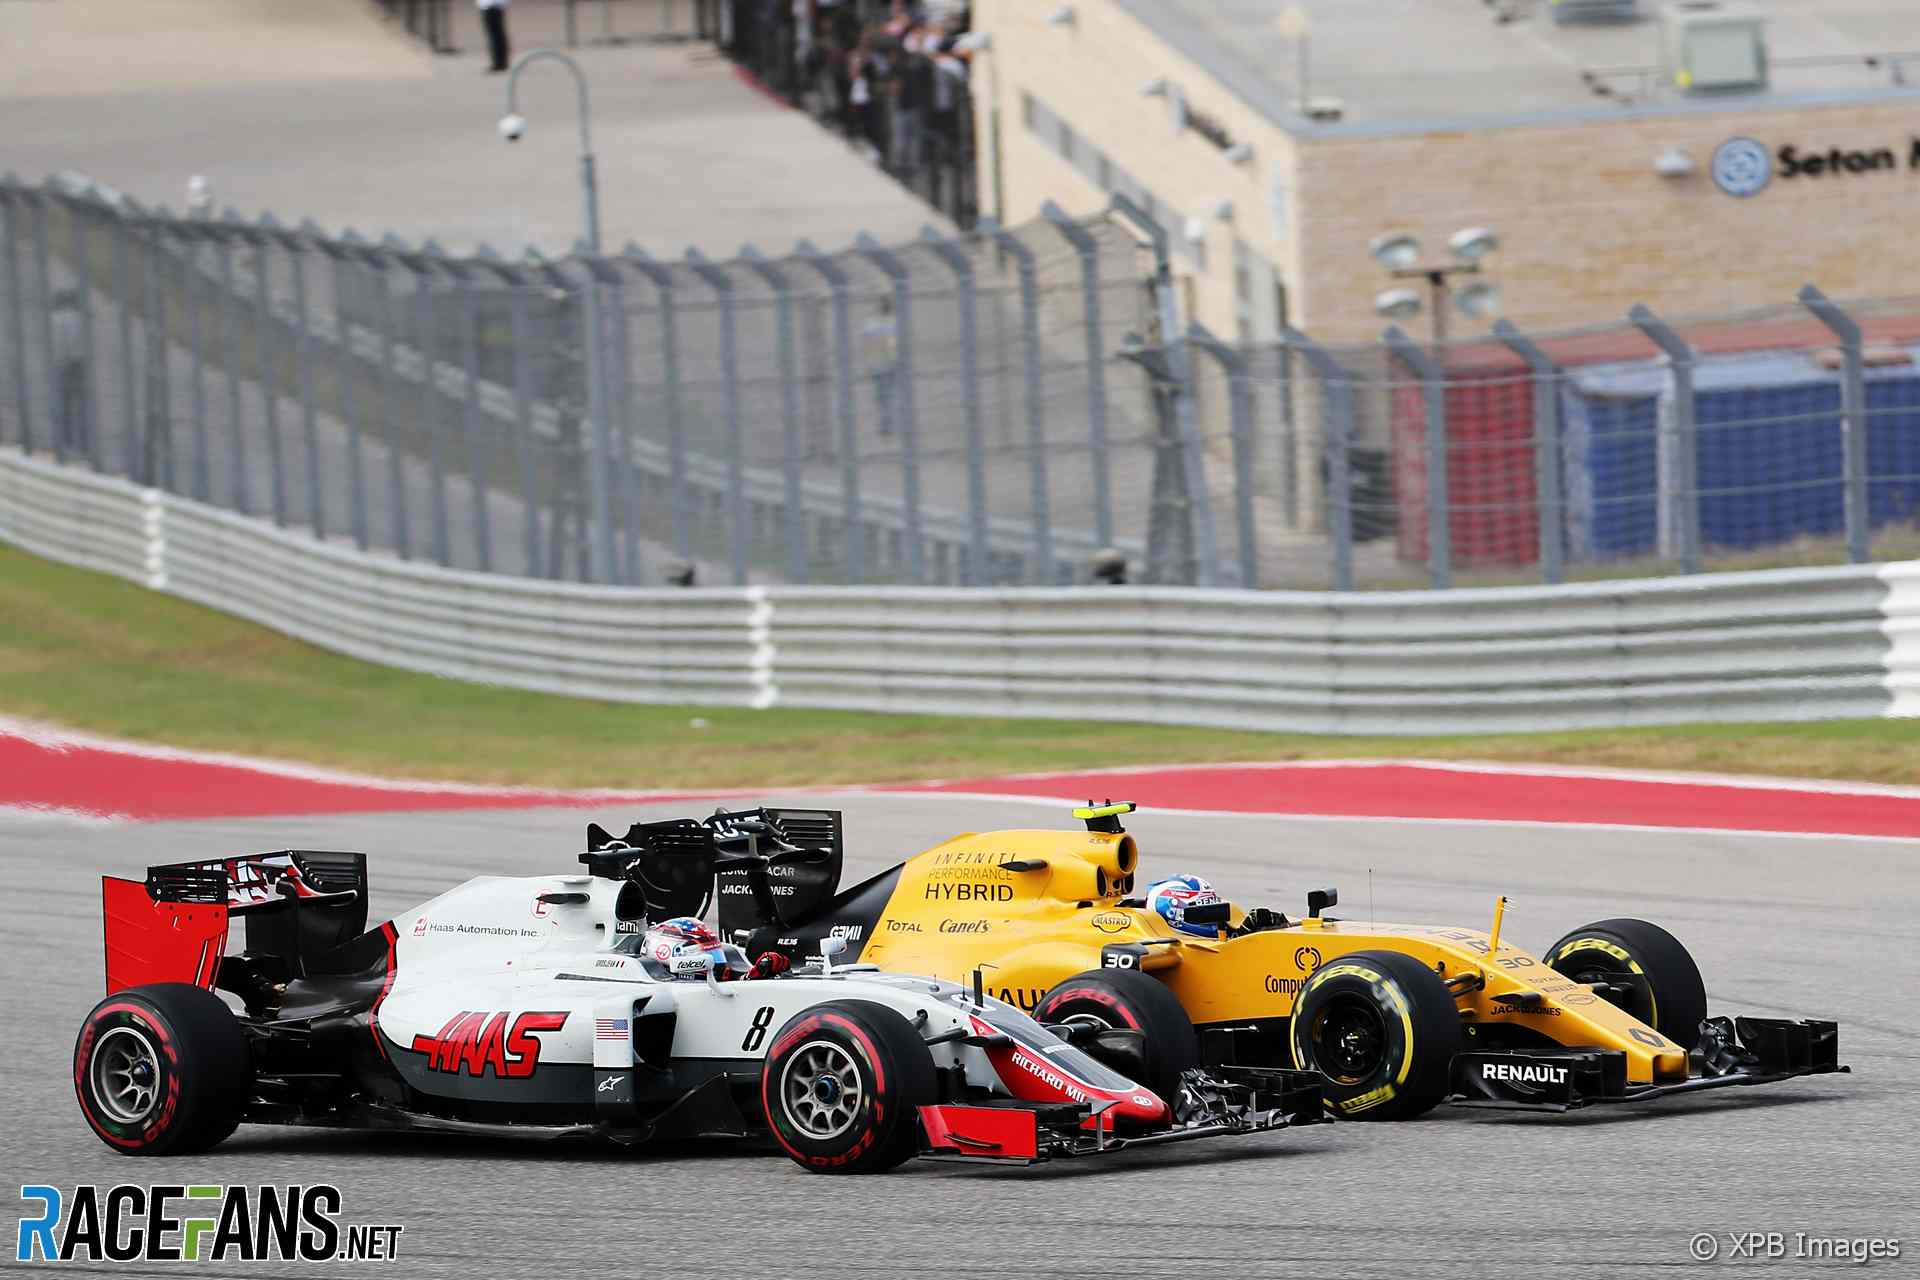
[472, 1043]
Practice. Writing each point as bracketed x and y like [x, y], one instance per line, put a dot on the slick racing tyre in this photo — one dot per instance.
[1672, 999]
[1130, 1000]
[843, 1086]
[162, 1070]
[1382, 1029]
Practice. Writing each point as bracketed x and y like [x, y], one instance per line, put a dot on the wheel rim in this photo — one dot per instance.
[820, 1089]
[1349, 1040]
[126, 1075]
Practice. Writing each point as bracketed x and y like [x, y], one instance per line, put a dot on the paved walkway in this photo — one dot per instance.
[317, 108]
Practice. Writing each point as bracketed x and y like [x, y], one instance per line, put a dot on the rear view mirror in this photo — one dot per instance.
[831, 947]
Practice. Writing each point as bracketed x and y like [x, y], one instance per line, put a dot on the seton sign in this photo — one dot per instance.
[1743, 167]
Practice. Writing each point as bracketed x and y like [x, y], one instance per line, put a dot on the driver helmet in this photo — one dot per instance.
[1171, 898]
[685, 946]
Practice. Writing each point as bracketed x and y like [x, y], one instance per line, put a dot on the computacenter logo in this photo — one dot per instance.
[129, 1223]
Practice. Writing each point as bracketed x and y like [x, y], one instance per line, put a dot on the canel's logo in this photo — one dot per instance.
[1742, 167]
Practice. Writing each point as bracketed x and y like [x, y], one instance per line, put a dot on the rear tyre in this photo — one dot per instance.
[1382, 1028]
[162, 1070]
[1673, 999]
[843, 1086]
[1127, 999]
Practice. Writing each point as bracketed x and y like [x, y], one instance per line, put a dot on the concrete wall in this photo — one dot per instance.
[1790, 644]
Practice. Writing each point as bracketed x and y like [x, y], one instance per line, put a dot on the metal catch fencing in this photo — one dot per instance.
[1023, 406]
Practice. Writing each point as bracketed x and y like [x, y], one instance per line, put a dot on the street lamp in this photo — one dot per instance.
[1399, 253]
[513, 127]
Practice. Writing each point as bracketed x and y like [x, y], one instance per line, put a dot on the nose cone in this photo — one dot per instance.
[1137, 1109]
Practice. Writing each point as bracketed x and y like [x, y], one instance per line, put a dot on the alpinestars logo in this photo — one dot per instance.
[1522, 1073]
[185, 1223]
[475, 1043]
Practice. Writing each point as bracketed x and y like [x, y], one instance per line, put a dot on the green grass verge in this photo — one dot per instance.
[96, 653]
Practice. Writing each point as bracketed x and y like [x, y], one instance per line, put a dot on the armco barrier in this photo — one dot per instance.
[1779, 644]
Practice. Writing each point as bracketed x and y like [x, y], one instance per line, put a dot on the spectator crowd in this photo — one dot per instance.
[890, 74]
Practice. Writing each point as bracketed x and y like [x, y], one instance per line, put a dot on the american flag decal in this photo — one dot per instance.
[609, 1028]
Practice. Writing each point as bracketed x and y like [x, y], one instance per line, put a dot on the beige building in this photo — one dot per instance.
[1276, 149]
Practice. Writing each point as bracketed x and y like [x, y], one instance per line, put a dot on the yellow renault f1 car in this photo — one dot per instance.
[1396, 1017]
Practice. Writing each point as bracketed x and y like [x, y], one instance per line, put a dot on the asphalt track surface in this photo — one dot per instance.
[1784, 926]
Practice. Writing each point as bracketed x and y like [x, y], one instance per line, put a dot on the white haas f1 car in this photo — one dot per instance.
[528, 1006]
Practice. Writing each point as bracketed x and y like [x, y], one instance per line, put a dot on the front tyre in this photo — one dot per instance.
[843, 1086]
[1382, 1028]
[1128, 1000]
[1650, 974]
[162, 1070]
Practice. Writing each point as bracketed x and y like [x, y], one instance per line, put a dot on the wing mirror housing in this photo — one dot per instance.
[1318, 900]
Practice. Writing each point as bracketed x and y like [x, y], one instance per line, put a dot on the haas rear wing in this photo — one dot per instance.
[172, 927]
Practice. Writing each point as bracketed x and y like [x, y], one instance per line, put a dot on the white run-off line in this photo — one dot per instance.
[1786, 644]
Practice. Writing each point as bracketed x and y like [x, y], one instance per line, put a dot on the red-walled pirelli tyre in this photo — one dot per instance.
[1130, 1000]
[1382, 1028]
[162, 1070]
[843, 1086]
[1672, 1000]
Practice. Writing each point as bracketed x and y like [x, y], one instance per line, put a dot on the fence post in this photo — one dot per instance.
[158, 473]
[869, 248]
[1545, 376]
[794, 516]
[1337, 413]
[739, 535]
[265, 375]
[599, 450]
[1191, 451]
[1043, 572]
[470, 426]
[349, 252]
[1683, 496]
[1088, 250]
[296, 243]
[836, 279]
[979, 549]
[389, 256]
[191, 238]
[679, 496]
[224, 234]
[43, 282]
[1433, 394]
[10, 201]
[1854, 459]
[1233, 366]
[81, 211]
[426, 310]
[517, 285]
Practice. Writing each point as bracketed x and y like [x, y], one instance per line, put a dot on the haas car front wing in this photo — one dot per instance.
[1218, 1102]
[1731, 1052]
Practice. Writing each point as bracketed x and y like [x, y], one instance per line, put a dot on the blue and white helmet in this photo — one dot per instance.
[1171, 898]
[685, 946]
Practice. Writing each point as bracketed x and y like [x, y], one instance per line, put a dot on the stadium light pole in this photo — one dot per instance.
[513, 127]
[1399, 253]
